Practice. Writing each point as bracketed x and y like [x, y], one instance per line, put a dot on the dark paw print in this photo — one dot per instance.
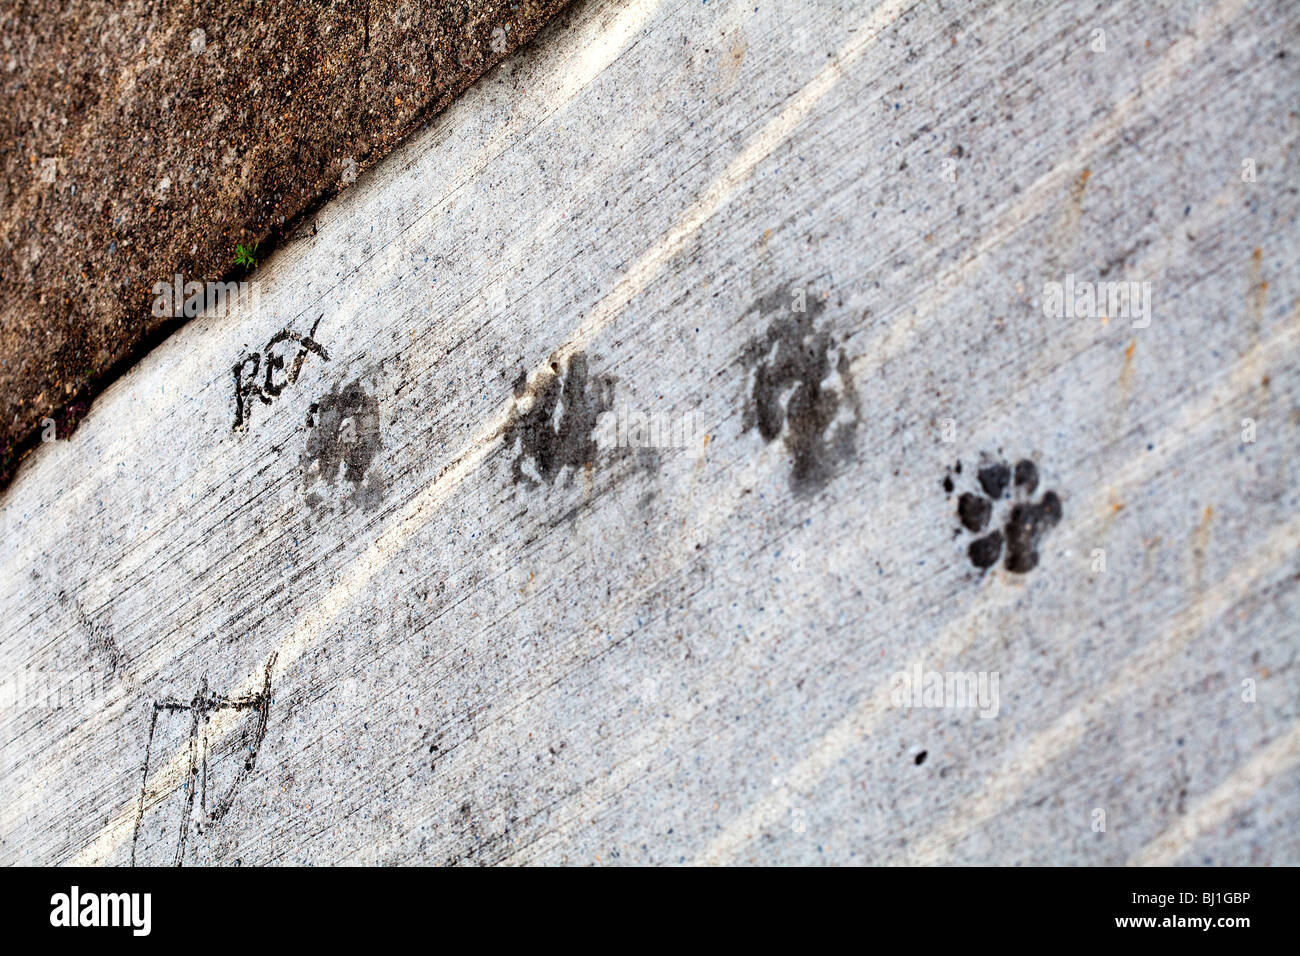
[1025, 524]
[545, 443]
[343, 441]
[800, 388]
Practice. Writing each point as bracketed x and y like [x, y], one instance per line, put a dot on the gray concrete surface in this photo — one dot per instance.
[426, 603]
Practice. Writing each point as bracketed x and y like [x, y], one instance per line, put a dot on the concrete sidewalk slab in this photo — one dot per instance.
[700, 469]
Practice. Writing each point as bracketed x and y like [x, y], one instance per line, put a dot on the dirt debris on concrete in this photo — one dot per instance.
[142, 140]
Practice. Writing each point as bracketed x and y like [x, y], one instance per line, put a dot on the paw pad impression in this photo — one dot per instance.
[1019, 527]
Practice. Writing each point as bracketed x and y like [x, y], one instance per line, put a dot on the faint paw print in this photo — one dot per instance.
[800, 388]
[1024, 524]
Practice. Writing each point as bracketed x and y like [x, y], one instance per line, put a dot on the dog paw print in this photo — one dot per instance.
[1004, 503]
[800, 388]
[552, 426]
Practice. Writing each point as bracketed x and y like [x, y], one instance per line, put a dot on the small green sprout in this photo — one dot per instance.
[245, 256]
